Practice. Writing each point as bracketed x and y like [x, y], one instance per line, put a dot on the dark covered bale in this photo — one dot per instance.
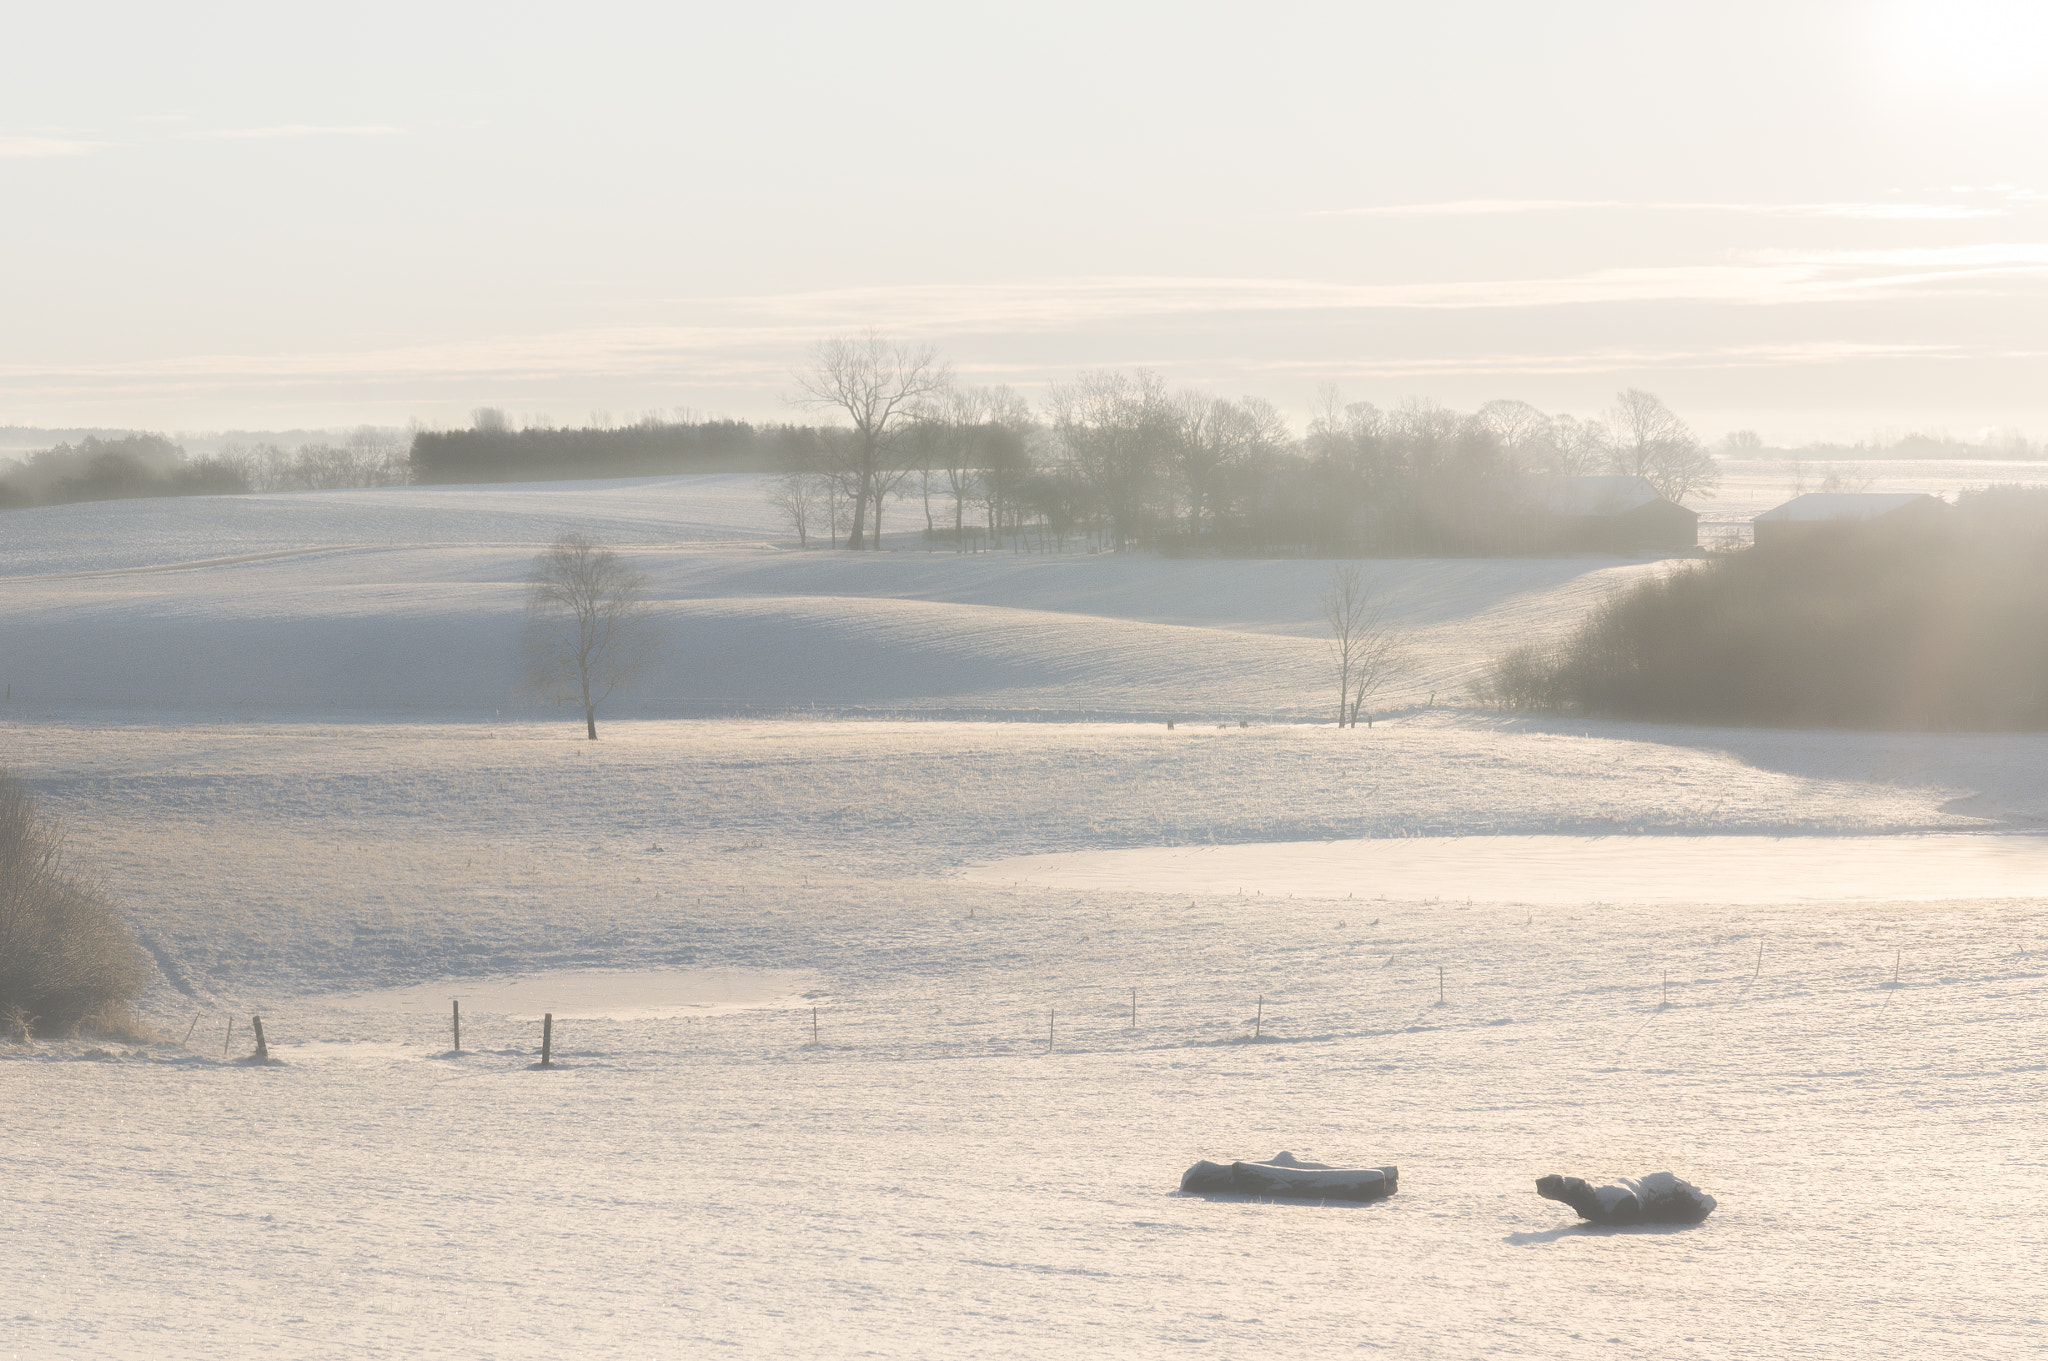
[1286, 1176]
[1660, 1198]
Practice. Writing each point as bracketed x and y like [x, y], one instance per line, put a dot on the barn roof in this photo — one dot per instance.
[1607, 495]
[1848, 505]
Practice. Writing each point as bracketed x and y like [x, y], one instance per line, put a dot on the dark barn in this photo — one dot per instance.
[1613, 514]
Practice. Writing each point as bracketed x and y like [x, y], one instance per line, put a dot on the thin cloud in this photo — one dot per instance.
[295, 130]
[35, 148]
[1757, 280]
[1622, 360]
[1997, 254]
[1475, 207]
[1485, 207]
[743, 338]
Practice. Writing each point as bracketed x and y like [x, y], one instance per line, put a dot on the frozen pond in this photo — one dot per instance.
[1566, 869]
[601, 994]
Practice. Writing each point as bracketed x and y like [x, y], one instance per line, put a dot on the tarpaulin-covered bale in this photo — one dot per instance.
[1284, 1175]
[1660, 1198]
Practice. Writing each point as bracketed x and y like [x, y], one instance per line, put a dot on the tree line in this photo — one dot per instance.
[106, 469]
[491, 450]
[111, 468]
[1115, 459]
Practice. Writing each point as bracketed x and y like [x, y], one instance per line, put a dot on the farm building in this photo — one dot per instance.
[1605, 514]
[1819, 512]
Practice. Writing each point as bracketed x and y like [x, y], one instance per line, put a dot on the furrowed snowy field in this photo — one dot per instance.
[309, 780]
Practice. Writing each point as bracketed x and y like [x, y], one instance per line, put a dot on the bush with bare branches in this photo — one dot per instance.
[66, 958]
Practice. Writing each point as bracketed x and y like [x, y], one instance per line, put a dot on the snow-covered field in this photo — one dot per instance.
[403, 603]
[1560, 870]
[977, 1156]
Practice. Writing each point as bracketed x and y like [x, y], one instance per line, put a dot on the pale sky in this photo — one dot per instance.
[1814, 219]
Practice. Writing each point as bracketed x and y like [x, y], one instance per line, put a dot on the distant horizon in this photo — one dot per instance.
[1972, 433]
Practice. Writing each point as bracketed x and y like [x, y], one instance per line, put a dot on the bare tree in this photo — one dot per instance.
[834, 458]
[1118, 429]
[1363, 644]
[800, 496]
[1743, 444]
[1523, 430]
[1650, 441]
[589, 625]
[878, 384]
[888, 484]
[966, 409]
[1006, 462]
[925, 442]
[1577, 447]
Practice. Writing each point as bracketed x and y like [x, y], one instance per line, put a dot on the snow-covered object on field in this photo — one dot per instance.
[1285, 1175]
[1660, 1198]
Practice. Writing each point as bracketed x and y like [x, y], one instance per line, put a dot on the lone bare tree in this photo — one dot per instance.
[1363, 644]
[879, 385]
[588, 623]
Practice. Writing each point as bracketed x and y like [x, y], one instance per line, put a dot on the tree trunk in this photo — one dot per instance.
[590, 721]
[856, 539]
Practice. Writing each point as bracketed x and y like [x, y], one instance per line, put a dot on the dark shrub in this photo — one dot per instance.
[66, 957]
[1934, 625]
[97, 469]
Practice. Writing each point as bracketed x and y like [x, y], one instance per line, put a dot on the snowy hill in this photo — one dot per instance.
[1064, 960]
[406, 601]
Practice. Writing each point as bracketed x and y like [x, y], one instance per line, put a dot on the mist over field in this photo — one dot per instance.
[1024, 683]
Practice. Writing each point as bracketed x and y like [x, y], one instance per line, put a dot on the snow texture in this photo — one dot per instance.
[1560, 869]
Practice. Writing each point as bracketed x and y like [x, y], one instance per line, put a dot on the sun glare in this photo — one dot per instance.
[1971, 46]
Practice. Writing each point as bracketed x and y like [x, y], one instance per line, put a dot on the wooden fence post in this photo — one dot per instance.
[262, 1049]
[1259, 1021]
[547, 1040]
[458, 1024]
